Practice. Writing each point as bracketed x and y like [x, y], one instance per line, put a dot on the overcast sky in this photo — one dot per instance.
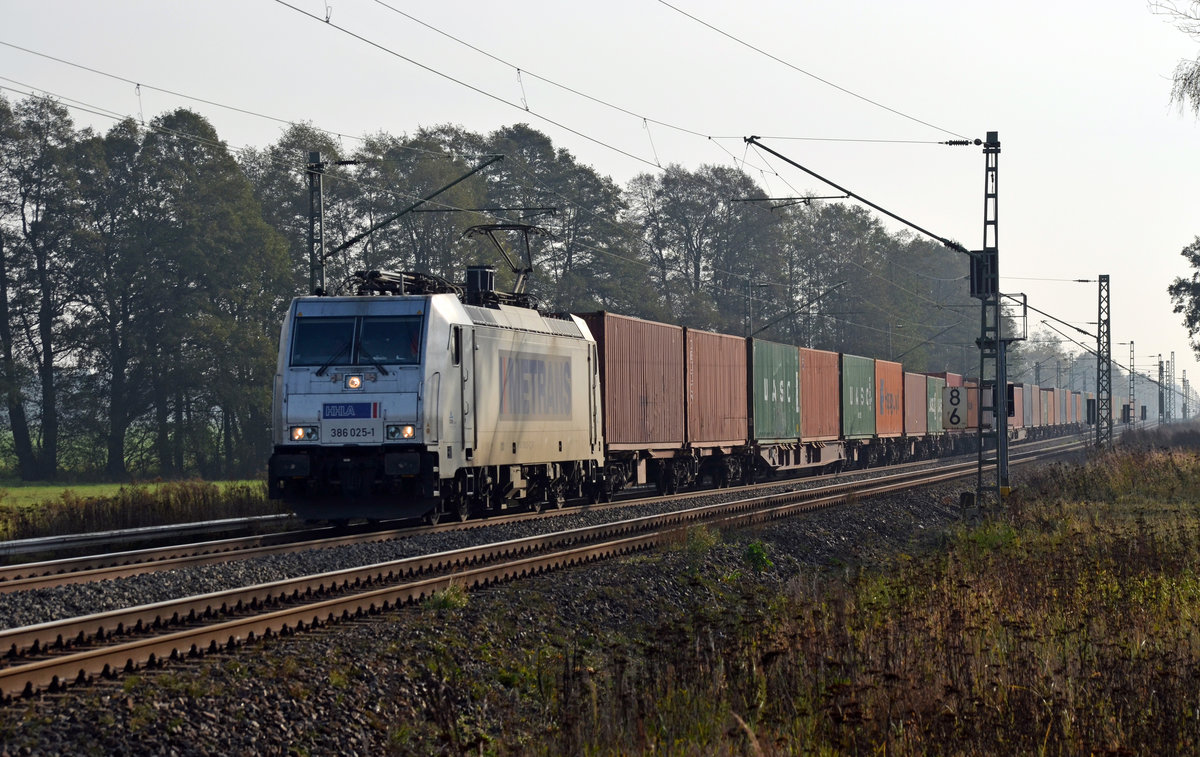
[1099, 172]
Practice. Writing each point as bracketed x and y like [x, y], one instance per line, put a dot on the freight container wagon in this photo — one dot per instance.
[717, 412]
[1026, 392]
[889, 399]
[1035, 406]
[642, 374]
[934, 387]
[858, 397]
[916, 416]
[971, 387]
[820, 396]
[777, 420]
[1016, 406]
[641, 366]
[774, 391]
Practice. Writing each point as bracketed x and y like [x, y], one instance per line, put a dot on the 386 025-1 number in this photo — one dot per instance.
[352, 432]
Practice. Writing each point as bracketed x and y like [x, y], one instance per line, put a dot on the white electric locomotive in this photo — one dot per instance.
[413, 398]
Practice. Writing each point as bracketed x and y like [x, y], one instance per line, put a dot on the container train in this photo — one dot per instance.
[416, 397]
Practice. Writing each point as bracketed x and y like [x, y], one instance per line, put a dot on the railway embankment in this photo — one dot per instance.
[1065, 622]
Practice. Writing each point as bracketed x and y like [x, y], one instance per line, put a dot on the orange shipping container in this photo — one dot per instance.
[717, 408]
[820, 395]
[889, 398]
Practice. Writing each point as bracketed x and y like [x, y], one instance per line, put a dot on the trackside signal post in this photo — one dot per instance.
[985, 286]
[1104, 405]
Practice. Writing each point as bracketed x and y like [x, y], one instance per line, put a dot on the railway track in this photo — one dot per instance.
[100, 567]
[51, 656]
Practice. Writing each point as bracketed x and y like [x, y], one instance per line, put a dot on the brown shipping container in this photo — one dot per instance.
[1016, 413]
[972, 388]
[916, 420]
[820, 395]
[889, 398]
[717, 406]
[641, 367]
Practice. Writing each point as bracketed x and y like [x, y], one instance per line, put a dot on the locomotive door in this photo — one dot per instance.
[466, 352]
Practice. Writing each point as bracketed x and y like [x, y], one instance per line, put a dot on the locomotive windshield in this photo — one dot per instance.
[366, 340]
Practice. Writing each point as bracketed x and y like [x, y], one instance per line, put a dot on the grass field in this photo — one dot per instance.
[29, 511]
[25, 494]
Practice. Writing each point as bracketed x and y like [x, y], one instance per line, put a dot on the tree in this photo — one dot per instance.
[1185, 293]
[115, 270]
[579, 265]
[38, 186]
[1185, 82]
[702, 245]
[219, 280]
[278, 176]
[398, 172]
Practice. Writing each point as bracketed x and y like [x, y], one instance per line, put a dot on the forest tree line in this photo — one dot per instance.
[144, 271]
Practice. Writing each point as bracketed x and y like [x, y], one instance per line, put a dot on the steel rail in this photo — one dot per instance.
[518, 558]
[90, 568]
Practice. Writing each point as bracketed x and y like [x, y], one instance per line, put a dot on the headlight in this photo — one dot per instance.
[353, 381]
[304, 433]
[396, 432]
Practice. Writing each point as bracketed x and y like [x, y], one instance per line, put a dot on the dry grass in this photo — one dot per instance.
[1068, 626]
[134, 506]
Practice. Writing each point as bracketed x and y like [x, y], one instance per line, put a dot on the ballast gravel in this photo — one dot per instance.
[35, 606]
[354, 688]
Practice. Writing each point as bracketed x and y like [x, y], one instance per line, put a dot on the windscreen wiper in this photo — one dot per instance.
[335, 356]
[374, 361]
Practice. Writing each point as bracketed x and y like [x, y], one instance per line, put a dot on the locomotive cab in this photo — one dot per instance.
[349, 421]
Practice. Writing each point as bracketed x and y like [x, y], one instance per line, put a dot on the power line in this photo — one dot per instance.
[462, 83]
[809, 74]
[522, 72]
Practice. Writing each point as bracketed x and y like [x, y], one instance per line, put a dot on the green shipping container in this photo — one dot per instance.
[858, 397]
[933, 403]
[775, 387]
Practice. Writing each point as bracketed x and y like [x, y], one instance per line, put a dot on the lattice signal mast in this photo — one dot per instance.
[1104, 430]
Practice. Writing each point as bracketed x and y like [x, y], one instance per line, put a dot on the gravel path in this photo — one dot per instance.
[385, 685]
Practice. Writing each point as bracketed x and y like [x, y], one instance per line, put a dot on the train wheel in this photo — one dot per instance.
[433, 516]
[462, 509]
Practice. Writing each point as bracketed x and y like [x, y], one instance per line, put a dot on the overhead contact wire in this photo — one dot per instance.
[461, 83]
[809, 74]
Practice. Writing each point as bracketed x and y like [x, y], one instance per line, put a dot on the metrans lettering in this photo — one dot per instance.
[534, 386]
